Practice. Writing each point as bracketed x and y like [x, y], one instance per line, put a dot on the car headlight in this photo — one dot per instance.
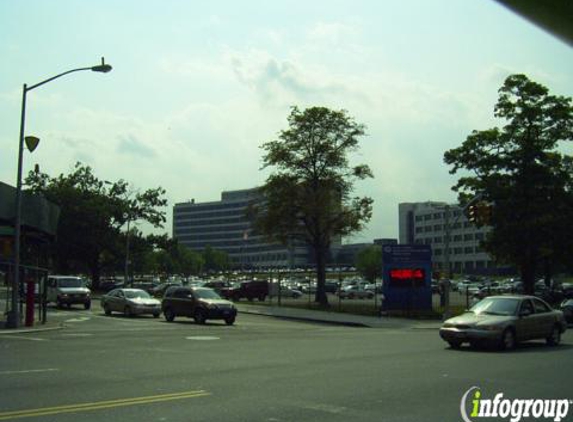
[448, 325]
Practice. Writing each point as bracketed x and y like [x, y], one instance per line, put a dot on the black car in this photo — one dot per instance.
[199, 303]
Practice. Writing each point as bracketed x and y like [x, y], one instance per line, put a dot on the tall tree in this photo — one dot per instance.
[369, 262]
[92, 214]
[519, 170]
[307, 196]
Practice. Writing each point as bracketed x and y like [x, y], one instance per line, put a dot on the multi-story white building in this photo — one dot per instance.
[429, 223]
[223, 225]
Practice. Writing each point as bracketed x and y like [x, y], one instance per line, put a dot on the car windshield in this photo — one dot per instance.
[136, 294]
[207, 294]
[71, 282]
[496, 306]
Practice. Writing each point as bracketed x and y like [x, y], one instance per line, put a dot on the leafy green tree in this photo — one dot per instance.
[307, 196]
[369, 262]
[215, 260]
[92, 214]
[518, 169]
[190, 262]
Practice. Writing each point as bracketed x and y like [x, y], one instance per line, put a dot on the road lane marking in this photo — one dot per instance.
[203, 338]
[29, 371]
[84, 407]
[80, 319]
[15, 337]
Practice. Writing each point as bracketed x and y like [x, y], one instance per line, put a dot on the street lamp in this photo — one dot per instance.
[13, 317]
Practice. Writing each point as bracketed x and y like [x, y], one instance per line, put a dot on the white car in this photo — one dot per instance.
[355, 292]
[130, 302]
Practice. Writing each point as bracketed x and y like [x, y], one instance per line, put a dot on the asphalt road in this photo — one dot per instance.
[262, 369]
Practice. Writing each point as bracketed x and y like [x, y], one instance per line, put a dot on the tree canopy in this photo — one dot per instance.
[92, 214]
[369, 262]
[519, 170]
[308, 194]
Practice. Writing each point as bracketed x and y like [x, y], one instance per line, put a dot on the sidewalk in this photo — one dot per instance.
[338, 318]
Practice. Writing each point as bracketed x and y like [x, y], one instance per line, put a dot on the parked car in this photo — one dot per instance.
[505, 321]
[130, 302]
[200, 303]
[567, 309]
[355, 292]
[159, 291]
[67, 290]
[108, 284]
[250, 290]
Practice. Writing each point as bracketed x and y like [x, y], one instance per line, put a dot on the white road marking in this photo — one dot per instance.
[26, 337]
[203, 338]
[77, 335]
[80, 319]
[29, 371]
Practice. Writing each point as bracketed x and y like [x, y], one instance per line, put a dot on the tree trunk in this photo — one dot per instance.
[320, 296]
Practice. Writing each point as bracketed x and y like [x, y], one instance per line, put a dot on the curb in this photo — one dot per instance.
[10, 331]
[307, 319]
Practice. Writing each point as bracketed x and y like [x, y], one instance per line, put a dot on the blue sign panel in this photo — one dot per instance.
[407, 275]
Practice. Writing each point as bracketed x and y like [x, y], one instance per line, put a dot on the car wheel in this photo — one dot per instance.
[200, 317]
[58, 304]
[261, 298]
[455, 344]
[169, 315]
[106, 310]
[230, 320]
[508, 341]
[370, 296]
[156, 315]
[87, 305]
[351, 296]
[555, 338]
[127, 311]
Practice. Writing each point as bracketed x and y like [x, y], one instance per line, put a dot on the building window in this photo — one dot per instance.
[458, 251]
[419, 229]
[479, 236]
[437, 227]
[438, 252]
[457, 238]
[468, 237]
[437, 215]
[428, 241]
[428, 229]
[418, 218]
[469, 250]
[437, 240]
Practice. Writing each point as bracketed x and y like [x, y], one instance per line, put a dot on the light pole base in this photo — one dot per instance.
[11, 320]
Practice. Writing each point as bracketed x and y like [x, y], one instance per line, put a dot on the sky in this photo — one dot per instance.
[198, 86]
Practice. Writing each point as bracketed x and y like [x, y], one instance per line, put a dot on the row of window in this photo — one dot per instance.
[214, 229]
[209, 215]
[193, 208]
[437, 215]
[212, 221]
[468, 250]
[468, 237]
[440, 227]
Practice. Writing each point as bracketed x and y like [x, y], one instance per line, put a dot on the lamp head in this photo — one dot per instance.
[103, 68]
[31, 142]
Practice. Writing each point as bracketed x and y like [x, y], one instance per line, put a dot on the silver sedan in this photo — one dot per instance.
[130, 302]
[505, 321]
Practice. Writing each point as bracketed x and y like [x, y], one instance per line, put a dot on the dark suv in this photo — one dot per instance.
[255, 289]
[199, 303]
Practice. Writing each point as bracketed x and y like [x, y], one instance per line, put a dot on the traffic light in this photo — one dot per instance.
[473, 213]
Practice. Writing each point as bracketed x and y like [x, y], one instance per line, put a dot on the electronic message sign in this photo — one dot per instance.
[406, 273]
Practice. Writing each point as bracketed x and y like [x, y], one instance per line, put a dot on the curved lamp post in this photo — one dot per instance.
[14, 317]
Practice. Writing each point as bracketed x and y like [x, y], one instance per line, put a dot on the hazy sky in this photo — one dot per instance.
[198, 86]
